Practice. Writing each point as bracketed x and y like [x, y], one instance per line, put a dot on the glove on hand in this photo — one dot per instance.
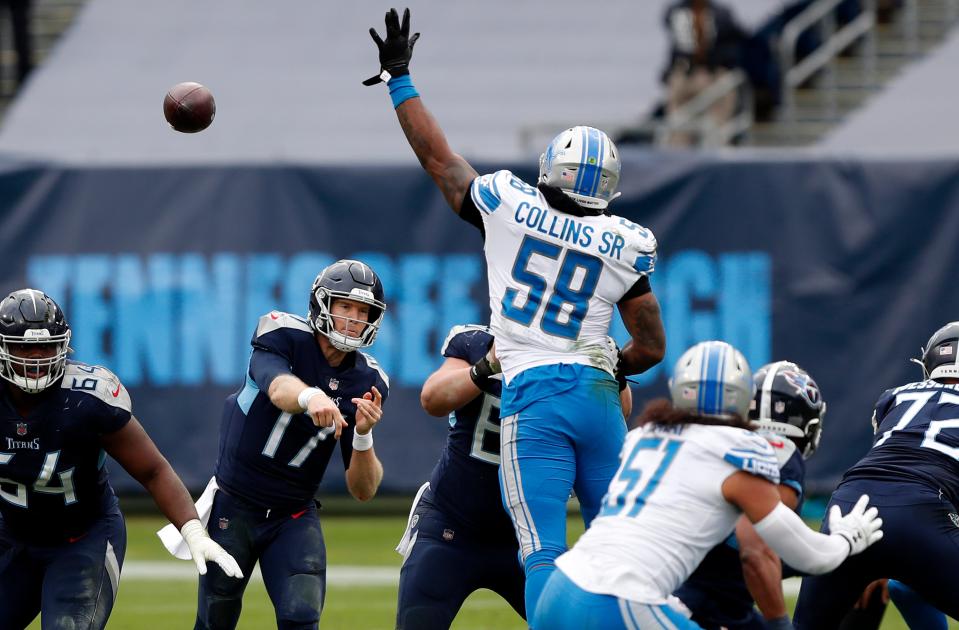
[396, 51]
[204, 548]
[860, 527]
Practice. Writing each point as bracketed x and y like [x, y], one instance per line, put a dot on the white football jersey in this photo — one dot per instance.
[665, 509]
[554, 278]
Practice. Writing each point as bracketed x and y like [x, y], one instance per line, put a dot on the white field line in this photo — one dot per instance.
[339, 575]
[336, 575]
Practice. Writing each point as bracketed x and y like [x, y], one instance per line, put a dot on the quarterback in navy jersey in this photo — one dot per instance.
[308, 392]
[787, 409]
[912, 475]
[62, 536]
[459, 538]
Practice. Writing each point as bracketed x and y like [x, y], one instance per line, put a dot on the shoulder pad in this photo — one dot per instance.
[96, 381]
[751, 453]
[274, 320]
[462, 330]
[373, 363]
[783, 447]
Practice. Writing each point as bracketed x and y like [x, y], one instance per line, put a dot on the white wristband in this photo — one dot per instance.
[303, 400]
[362, 442]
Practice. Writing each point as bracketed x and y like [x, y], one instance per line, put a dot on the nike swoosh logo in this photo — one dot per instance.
[72, 540]
[117, 392]
[298, 514]
[274, 316]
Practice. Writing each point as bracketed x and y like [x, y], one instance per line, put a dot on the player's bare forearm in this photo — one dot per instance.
[452, 174]
[364, 475]
[762, 571]
[644, 322]
[448, 388]
[135, 451]
[284, 392]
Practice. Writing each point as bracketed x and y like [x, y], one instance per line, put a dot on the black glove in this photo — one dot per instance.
[396, 51]
[618, 373]
[482, 370]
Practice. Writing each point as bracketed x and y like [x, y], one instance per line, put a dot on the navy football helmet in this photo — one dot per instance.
[940, 357]
[788, 402]
[31, 318]
[347, 280]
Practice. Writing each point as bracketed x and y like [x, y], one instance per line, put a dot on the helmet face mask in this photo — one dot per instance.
[712, 379]
[347, 280]
[940, 356]
[34, 340]
[584, 163]
[788, 403]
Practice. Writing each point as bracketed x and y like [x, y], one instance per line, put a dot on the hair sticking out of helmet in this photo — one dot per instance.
[712, 379]
[940, 356]
[583, 163]
[34, 340]
[347, 280]
[788, 403]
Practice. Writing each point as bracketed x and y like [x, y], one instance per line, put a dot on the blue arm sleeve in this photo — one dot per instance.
[265, 366]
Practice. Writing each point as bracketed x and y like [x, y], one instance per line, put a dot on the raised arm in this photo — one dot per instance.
[450, 171]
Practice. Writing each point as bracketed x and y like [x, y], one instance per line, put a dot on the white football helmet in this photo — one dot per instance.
[584, 163]
[712, 379]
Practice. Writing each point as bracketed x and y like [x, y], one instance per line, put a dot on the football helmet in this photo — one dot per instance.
[788, 402]
[940, 357]
[347, 280]
[712, 379]
[584, 163]
[29, 317]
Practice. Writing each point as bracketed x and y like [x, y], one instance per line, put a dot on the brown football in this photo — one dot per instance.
[189, 107]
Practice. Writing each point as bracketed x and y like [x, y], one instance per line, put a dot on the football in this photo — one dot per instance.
[189, 107]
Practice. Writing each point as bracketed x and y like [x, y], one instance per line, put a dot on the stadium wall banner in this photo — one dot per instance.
[845, 268]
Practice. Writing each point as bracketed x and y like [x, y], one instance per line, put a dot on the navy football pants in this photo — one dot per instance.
[292, 557]
[920, 547]
[72, 585]
[445, 565]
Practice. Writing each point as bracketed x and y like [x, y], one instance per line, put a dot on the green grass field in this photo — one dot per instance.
[145, 603]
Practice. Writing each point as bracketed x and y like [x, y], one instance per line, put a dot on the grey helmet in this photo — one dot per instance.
[347, 280]
[940, 357]
[712, 379]
[584, 163]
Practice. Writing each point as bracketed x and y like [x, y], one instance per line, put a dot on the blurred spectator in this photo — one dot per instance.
[20, 12]
[705, 44]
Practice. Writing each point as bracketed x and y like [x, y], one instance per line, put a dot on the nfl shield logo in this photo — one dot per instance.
[334, 384]
[21, 428]
[954, 518]
[224, 523]
[779, 406]
[447, 535]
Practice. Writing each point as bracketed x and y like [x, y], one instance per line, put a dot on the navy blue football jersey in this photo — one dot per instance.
[716, 591]
[465, 482]
[53, 478]
[275, 459]
[917, 439]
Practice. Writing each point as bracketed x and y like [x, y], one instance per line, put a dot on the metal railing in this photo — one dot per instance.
[822, 13]
[694, 116]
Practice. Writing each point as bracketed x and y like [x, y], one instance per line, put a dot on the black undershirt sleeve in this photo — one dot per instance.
[471, 214]
[640, 288]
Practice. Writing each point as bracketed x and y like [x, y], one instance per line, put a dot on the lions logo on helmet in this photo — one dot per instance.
[788, 403]
[712, 379]
[347, 280]
[31, 319]
[584, 163]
